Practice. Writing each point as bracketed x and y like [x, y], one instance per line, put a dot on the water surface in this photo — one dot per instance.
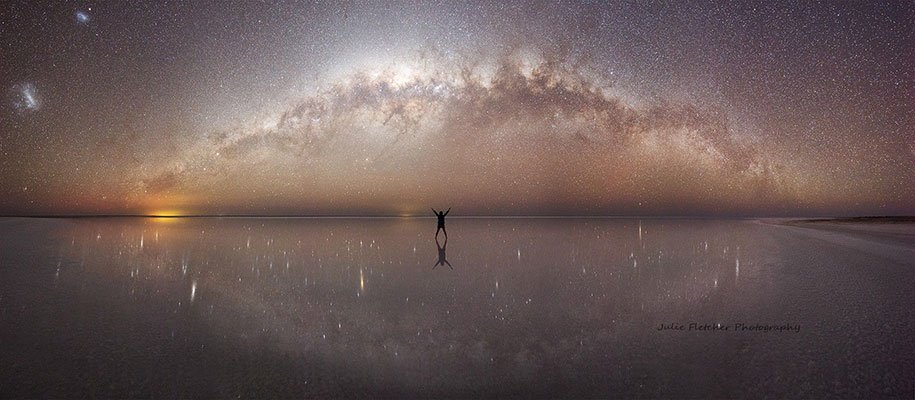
[213, 307]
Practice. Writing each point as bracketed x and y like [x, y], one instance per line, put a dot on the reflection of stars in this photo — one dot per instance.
[27, 99]
[82, 17]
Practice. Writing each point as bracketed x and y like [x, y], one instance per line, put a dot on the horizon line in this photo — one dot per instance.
[469, 216]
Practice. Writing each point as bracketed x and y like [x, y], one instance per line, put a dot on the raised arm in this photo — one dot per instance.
[449, 210]
[434, 212]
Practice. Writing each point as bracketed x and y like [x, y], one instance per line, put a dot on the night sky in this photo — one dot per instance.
[378, 108]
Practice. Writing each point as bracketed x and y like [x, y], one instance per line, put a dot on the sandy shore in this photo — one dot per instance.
[887, 237]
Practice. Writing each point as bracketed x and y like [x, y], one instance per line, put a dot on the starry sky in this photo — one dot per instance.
[524, 108]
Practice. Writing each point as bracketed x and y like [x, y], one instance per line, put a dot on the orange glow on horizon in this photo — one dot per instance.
[166, 214]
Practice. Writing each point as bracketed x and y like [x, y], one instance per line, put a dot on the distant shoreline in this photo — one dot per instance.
[775, 220]
[646, 217]
[854, 220]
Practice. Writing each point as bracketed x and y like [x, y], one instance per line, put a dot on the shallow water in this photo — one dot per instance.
[210, 307]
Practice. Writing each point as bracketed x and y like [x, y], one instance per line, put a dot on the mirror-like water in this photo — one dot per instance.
[504, 307]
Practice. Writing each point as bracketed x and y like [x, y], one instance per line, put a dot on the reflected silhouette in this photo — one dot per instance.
[441, 222]
[441, 252]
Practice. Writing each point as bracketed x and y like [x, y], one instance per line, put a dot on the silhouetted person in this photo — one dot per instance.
[441, 222]
[441, 252]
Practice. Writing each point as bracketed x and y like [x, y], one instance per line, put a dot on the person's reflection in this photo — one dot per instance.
[441, 253]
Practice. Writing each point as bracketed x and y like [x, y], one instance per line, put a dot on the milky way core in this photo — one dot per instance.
[502, 109]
